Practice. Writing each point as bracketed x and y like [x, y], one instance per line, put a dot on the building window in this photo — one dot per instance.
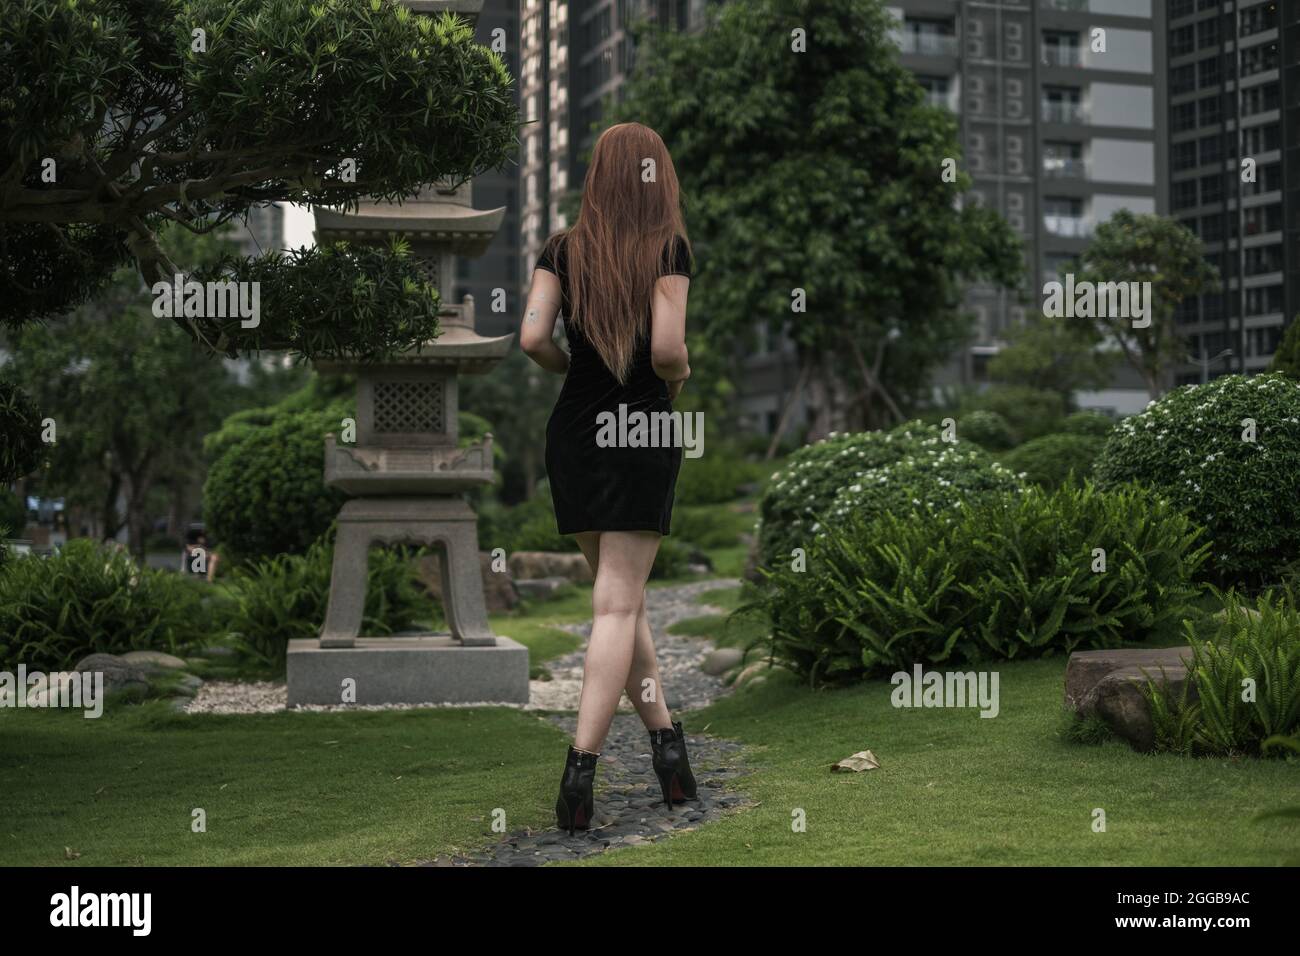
[1182, 195]
[1063, 104]
[1061, 48]
[1183, 155]
[1258, 18]
[1063, 216]
[930, 37]
[1211, 108]
[1257, 59]
[1182, 40]
[1182, 117]
[1259, 99]
[1063, 160]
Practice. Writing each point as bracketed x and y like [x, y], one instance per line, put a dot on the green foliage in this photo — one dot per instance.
[707, 527]
[1053, 355]
[812, 476]
[276, 599]
[385, 306]
[853, 212]
[1088, 423]
[1247, 681]
[266, 493]
[934, 483]
[282, 94]
[1051, 460]
[1189, 447]
[1009, 578]
[714, 477]
[527, 526]
[1130, 247]
[87, 599]
[21, 448]
[1031, 412]
[13, 513]
[671, 559]
[131, 399]
[1287, 357]
[987, 429]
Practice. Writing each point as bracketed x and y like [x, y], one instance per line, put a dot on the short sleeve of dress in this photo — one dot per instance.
[547, 258]
[677, 259]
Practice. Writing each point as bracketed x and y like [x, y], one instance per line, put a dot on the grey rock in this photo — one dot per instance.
[540, 588]
[154, 660]
[721, 660]
[1086, 668]
[530, 565]
[120, 674]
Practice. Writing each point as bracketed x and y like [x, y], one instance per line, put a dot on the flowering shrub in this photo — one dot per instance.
[1017, 574]
[814, 475]
[1049, 461]
[1197, 446]
[987, 429]
[936, 483]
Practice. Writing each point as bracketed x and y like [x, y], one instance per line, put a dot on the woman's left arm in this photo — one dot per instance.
[537, 331]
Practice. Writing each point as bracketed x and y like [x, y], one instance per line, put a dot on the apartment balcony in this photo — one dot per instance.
[1064, 113]
[1077, 6]
[928, 44]
[1067, 227]
[1065, 168]
[1062, 56]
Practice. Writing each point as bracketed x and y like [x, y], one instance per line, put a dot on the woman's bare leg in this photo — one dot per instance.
[624, 559]
[644, 688]
[647, 698]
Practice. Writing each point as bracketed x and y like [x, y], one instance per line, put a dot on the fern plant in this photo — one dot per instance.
[1019, 575]
[1246, 674]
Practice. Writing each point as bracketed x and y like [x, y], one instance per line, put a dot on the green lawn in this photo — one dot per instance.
[955, 788]
[368, 787]
[283, 789]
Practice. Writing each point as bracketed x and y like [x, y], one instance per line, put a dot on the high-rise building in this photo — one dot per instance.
[574, 58]
[1234, 169]
[498, 268]
[1060, 106]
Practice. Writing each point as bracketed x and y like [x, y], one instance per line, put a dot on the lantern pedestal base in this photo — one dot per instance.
[429, 669]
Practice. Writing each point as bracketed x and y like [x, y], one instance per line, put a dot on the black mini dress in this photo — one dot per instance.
[595, 486]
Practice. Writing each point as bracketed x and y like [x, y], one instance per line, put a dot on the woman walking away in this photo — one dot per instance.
[620, 276]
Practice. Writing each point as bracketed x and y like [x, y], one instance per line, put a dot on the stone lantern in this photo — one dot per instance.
[406, 474]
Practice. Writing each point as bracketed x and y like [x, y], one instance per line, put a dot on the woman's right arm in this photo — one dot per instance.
[668, 329]
[537, 331]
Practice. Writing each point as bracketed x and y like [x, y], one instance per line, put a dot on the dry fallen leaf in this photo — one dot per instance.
[70, 854]
[860, 761]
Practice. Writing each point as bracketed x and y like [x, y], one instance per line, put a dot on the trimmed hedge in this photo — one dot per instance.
[807, 484]
[1050, 460]
[265, 493]
[1192, 447]
[1013, 577]
[987, 429]
[933, 484]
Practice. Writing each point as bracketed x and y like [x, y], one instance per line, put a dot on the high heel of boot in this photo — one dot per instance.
[670, 786]
[672, 766]
[574, 807]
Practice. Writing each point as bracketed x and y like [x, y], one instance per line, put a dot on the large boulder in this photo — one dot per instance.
[1111, 685]
[529, 565]
[499, 592]
[120, 675]
[154, 661]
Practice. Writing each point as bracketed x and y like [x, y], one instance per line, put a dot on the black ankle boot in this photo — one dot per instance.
[574, 807]
[672, 766]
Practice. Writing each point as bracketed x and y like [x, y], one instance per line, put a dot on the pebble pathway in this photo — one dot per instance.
[629, 808]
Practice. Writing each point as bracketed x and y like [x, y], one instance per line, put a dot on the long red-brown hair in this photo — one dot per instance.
[631, 211]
